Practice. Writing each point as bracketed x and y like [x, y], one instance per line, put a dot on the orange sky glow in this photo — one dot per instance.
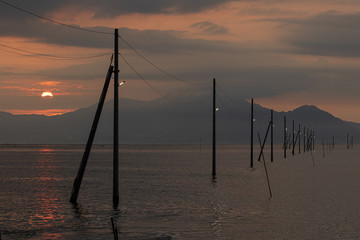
[262, 34]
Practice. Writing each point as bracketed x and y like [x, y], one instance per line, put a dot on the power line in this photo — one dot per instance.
[53, 21]
[157, 67]
[228, 95]
[171, 99]
[50, 56]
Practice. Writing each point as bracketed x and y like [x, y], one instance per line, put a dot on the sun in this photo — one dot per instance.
[47, 95]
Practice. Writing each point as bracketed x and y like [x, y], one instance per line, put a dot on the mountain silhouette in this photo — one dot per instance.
[163, 121]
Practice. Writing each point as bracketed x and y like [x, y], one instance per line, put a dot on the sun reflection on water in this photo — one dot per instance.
[46, 214]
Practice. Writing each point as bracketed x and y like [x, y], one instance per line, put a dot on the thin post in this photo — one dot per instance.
[285, 137]
[299, 138]
[260, 146]
[304, 140]
[347, 140]
[81, 171]
[116, 123]
[272, 135]
[214, 131]
[313, 140]
[308, 141]
[333, 141]
[262, 153]
[293, 137]
[252, 135]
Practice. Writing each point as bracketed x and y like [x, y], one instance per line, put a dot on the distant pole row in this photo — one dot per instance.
[290, 140]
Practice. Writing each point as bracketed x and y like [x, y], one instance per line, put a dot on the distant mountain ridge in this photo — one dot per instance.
[161, 121]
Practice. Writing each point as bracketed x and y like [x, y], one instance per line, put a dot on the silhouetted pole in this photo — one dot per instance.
[252, 135]
[214, 131]
[299, 133]
[116, 123]
[347, 140]
[333, 141]
[285, 137]
[304, 140]
[308, 140]
[272, 135]
[313, 140]
[293, 137]
[81, 171]
[262, 153]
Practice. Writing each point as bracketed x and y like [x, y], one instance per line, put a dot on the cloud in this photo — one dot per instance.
[113, 8]
[326, 34]
[210, 28]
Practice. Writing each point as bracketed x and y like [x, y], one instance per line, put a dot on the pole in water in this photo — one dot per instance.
[262, 153]
[252, 135]
[293, 137]
[214, 131]
[304, 140]
[347, 140]
[81, 171]
[272, 135]
[260, 147]
[116, 123]
[285, 137]
[313, 141]
[299, 133]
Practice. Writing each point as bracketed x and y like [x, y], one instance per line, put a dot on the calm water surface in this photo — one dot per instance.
[167, 192]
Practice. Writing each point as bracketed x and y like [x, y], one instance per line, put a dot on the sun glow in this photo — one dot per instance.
[47, 95]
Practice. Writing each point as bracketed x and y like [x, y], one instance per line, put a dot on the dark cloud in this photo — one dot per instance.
[210, 28]
[112, 8]
[326, 34]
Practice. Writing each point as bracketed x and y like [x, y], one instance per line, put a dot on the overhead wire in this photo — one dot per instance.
[227, 95]
[54, 21]
[157, 67]
[49, 56]
[171, 99]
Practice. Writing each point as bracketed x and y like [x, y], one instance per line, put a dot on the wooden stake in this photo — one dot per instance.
[81, 171]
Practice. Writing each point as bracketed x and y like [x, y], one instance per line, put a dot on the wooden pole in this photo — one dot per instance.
[304, 139]
[293, 137]
[285, 137]
[252, 135]
[272, 135]
[214, 131]
[262, 153]
[299, 133]
[81, 171]
[116, 123]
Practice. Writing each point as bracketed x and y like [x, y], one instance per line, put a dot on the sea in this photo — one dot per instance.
[168, 192]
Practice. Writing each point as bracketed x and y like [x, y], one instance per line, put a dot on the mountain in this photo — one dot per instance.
[168, 121]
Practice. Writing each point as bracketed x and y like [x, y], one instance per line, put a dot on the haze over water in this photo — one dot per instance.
[167, 192]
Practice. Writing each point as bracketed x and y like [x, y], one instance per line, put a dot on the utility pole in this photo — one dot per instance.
[116, 123]
[214, 131]
[285, 137]
[299, 139]
[81, 171]
[293, 137]
[252, 135]
[272, 135]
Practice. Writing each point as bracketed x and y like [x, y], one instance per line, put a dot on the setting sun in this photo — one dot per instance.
[47, 95]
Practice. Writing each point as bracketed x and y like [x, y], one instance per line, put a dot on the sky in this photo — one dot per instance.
[282, 53]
